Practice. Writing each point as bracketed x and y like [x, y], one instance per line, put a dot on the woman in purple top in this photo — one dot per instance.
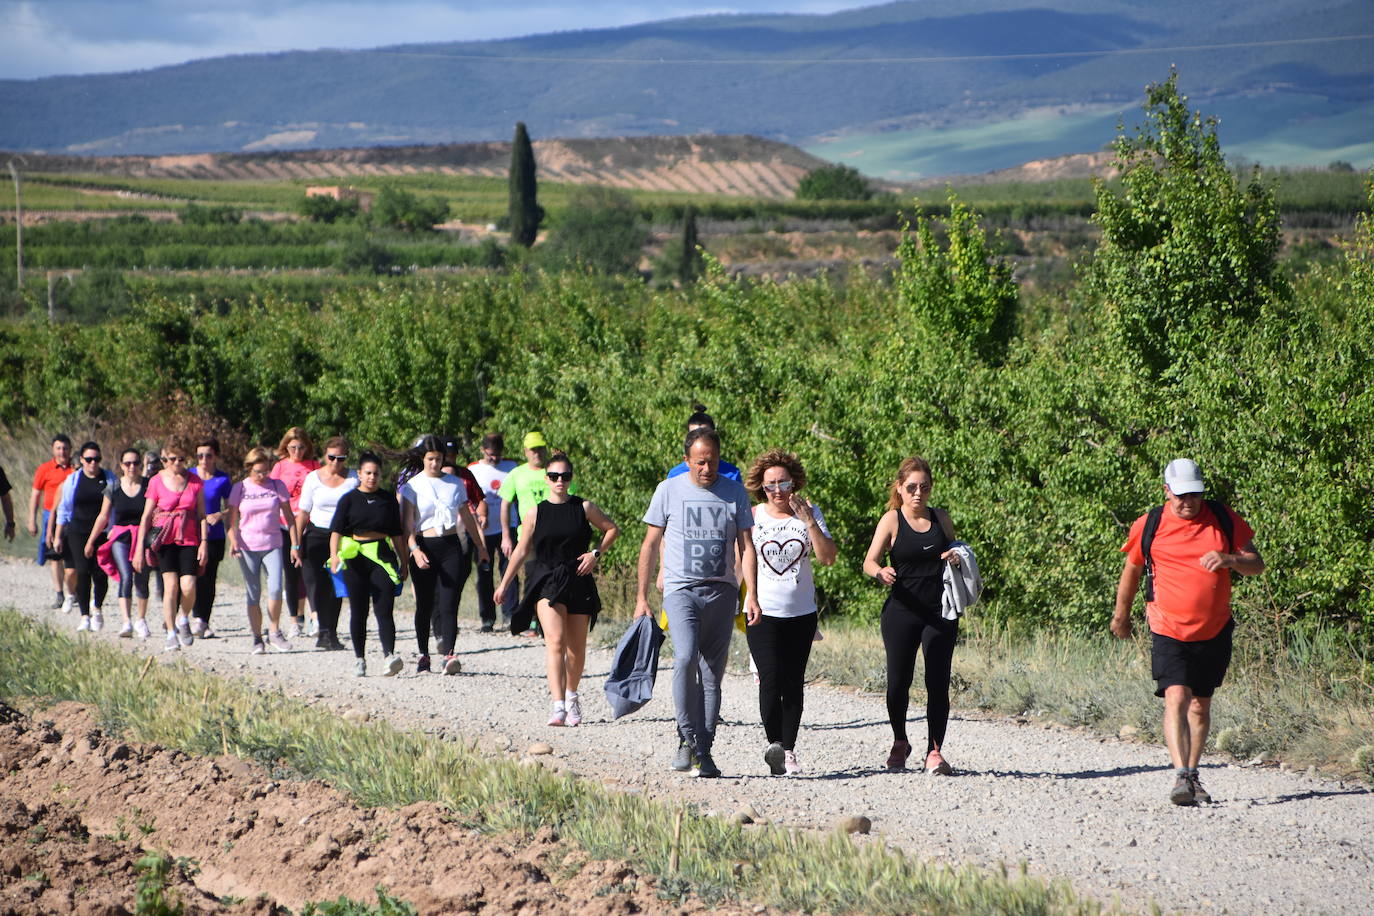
[217, 485]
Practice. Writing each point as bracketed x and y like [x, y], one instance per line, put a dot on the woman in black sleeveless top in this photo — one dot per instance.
[559, 585]
[915, 539]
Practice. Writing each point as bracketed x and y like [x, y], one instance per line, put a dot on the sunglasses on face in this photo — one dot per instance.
[559, 475]
[781, 486]
[913, 488]
[336, 457]
[170, 458]
[128, 464]
[91, 459]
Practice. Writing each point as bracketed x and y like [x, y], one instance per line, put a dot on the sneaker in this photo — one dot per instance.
[197, 626]
[1200, 794]
[790, 763]
[278, 641]
[207, 633]
[775, 756]
[393, 665]
[295, 631]
[574, 707]
[333, 644]
[706, 767]
[57, 601]
[172, 644]
[559, 717]
[422, 664]
[1182, 792]
[97, 621]
[452, 665]
[486, 628]
[183, 632]
[312, 628]
[896, 758]
[360, 668]
[126, 631]
[936, 765]
[68, 604]
[259, 647]
[141, 628]
[85, 624]
[683, 759]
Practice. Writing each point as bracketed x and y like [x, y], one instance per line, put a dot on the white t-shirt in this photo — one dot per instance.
[490, 477]
[436, 501]
[786, 586]
[320, 501]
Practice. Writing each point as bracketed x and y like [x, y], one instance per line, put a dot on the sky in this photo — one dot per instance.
[52, 37]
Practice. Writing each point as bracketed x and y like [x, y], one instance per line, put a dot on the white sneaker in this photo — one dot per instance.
[172, 644]
[197, 626]
[573, 708]
[294, 632]
[360, 668]
[182, 633]
[97, 621]
[141, 628]
[68, 604]
[126, 631]
[312, 628]
[85, 625]
[393, 666]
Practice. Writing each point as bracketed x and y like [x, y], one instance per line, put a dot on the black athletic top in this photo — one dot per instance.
[126, 509]
[561, 532]
[376, 511]
[86, 501]
[915, 556]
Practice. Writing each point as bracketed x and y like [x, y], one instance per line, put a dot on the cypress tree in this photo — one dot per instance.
[524, 214]
[689, 267]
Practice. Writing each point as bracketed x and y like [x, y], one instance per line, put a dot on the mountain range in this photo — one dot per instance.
[902, 89]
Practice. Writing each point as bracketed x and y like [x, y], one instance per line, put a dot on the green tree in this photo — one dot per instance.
[524, 214]
[1185, 249]
[196, 215]
[401, 209]
[324, 209]
[690, 265]
[834, 182]
[599, 230]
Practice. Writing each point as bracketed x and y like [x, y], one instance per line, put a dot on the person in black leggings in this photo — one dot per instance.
[364, 544]
[217, 485]
[914, 538]
[79, 503]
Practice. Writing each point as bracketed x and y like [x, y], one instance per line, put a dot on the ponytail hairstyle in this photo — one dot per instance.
[908, 467]
[700, 418]
[558, 458]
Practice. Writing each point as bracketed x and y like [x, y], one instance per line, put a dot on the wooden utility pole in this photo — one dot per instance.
[18, 223]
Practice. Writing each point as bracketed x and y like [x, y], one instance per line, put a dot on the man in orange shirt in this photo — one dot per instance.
[1188, 552]
[47, 480]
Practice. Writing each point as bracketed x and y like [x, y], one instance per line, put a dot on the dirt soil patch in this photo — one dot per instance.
[79, 808]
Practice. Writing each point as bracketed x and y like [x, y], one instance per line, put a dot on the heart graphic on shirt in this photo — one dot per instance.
[782, 556]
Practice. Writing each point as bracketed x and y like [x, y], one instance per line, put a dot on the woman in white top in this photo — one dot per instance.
[433, 506]
[788, 531]
[320, 495]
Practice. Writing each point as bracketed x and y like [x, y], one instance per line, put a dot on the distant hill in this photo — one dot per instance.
[874, 73]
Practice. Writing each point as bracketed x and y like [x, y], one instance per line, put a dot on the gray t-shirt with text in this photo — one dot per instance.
[700, 527]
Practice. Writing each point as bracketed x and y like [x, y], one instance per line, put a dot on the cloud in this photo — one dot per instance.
[98, 36]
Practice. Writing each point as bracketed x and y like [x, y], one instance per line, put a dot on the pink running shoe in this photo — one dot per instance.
[936, 765]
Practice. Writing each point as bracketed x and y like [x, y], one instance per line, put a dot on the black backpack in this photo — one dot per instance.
[1147, 537]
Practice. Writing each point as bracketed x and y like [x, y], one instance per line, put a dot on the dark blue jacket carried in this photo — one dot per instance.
[631, 682]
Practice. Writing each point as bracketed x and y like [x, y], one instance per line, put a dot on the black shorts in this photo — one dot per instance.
[1199, 666]
[178, 558]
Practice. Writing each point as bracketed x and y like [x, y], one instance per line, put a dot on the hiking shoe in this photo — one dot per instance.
[790, 763]
[422, 664]
[97, 622]
[172, 644]
[776, 758]
[68, 604]
[452, 665]
[126, 631]
[259, 647]
[57, 601]
[683, 759]
[393, 665]
[896, 758]
[278, 641]
[197, 626]
[559, 717]
[141, 628]
[1182, 792]
[706, 767]
[183, 632]
[936, 765]
[574, 708]
[1200, 794]
[360, 668]
[84, 625]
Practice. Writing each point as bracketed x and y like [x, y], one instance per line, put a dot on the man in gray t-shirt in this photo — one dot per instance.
[699, 519]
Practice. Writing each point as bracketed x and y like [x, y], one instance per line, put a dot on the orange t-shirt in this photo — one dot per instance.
[49, 478]
[1191, 604]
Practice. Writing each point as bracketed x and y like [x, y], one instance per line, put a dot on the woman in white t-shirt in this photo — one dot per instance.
[321, 491]
[434, 508]
[788, 531]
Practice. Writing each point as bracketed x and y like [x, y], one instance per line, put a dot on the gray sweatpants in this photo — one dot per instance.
[701, 619]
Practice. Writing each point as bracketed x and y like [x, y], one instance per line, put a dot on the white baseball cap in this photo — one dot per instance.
[1183, 476]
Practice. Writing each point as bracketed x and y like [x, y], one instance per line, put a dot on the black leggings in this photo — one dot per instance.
[437, 590]
[486, 583]
[314, 555]
[206, 581]
[88, 571]
[904, 632]
[781, 647]
[367, 584]
[308, 578]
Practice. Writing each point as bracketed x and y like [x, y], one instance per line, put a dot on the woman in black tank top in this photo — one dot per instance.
[914, 538]
[559, 586]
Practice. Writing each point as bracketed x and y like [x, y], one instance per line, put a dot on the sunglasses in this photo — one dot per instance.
[336, 457]
[203, 455]
[914, 488]
[91, 459]
[559, 475]
[782, 486]
[169, 458]
[128, 464]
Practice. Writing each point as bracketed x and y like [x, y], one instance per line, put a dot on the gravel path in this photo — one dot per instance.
[1069, 804]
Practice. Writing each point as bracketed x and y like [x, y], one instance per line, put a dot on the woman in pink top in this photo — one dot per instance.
[295, 460]
[258, 511]
[176, 508]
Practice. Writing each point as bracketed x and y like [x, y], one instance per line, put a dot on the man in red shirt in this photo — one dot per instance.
[1189, 612]
[47, 480]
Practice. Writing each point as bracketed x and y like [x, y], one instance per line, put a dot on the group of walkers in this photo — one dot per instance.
[725, 547]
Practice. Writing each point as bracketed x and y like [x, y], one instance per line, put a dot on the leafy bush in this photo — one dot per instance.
[834, 182]
[600, 231]
[322, 208]
[401, 209]
[196, 215]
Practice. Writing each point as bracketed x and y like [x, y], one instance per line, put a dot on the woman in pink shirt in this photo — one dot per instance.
[175, 508]
[295, 460]
[259, 508]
